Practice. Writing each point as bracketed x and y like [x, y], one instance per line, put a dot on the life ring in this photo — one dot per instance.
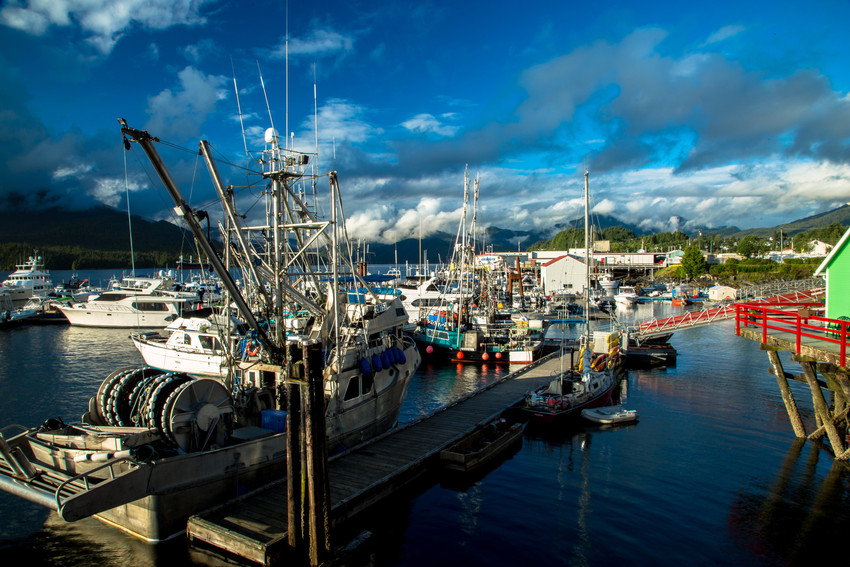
[252, 350]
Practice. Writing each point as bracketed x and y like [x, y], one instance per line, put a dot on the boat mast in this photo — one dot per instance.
[588, 354]
[145, 140]
[586, 248]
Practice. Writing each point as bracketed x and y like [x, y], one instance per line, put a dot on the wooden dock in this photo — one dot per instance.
[254, 526]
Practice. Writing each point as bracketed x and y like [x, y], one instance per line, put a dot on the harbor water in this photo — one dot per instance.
[710, 474]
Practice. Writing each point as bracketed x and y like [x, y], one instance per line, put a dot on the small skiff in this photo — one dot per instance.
[481, 447]
[609, 414]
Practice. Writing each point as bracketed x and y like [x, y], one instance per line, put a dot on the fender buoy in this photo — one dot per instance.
[498, 355]
[598, 363]
[459, 354]
[376, 363]
[365, 367]
[402, 358]
[385, 359]
[485, 356]
[429, 349]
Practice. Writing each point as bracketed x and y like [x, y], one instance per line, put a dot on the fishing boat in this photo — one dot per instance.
[201, 343]
[608, 415]
[464, 323]
[28, 279]
[482, 447]
[157, 446]
[590, 385]
[148, 302]
[11, 316]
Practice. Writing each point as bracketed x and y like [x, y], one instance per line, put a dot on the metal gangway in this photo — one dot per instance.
[792, 291]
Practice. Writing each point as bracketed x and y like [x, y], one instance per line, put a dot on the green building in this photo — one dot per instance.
[836, 268]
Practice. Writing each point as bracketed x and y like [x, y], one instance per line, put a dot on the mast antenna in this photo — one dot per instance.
[287, 69]
[239, 107]
[265, 94]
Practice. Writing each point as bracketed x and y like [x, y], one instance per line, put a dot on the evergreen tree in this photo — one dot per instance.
[693, 262]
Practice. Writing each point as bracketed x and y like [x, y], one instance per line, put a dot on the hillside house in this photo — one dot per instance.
[818, 248]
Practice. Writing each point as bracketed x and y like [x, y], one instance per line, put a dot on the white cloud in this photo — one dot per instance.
[66, 172]
[317, 43]
[110, 191]
[103, 22]
[427, 123]
[724, 33]
[181, 113]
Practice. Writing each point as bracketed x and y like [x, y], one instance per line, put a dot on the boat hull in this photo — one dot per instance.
[122, 318]
[549, 416]
[608, 415]
[157, 354]
[482, 447]
[433, 345]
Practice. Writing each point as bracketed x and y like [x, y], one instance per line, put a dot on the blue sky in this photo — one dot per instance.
[735, 114]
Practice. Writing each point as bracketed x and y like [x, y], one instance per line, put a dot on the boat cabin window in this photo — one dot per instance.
[352, 390]
[187, 340]
[154, 306]
[206, 342]
[368, 381]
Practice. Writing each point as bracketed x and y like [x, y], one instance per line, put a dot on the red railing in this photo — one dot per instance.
[798, 319]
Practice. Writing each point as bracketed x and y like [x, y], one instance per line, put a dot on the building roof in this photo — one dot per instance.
[836, 250]
[559, 258]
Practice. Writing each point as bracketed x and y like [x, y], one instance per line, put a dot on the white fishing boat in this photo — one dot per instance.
[29, 279]
[608, 415]
[136, 302]
[155, 446]
[201, 344]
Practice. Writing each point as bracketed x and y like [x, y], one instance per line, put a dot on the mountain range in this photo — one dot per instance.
[104, 228]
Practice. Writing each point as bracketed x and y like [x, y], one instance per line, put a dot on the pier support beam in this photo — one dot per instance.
[825, 418]
[787, 395]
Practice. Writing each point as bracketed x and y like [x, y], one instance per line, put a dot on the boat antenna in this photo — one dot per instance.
[265, 94]
[286, 65]
[239, 107]
[129, 219]
[316, 131]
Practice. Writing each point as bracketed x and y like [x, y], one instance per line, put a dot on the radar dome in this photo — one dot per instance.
[271, 135]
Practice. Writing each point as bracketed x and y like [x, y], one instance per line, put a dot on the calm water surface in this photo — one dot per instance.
[710, 475]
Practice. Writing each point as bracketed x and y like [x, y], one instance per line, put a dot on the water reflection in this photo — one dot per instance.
[800, 519]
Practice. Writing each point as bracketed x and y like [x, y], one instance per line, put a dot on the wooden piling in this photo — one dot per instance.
[822, 412]
[293, 459]
[315, 450]
[787, 394]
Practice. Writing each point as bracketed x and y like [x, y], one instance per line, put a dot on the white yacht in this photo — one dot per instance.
[29, 279]
[626, 296]
[136, 302]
